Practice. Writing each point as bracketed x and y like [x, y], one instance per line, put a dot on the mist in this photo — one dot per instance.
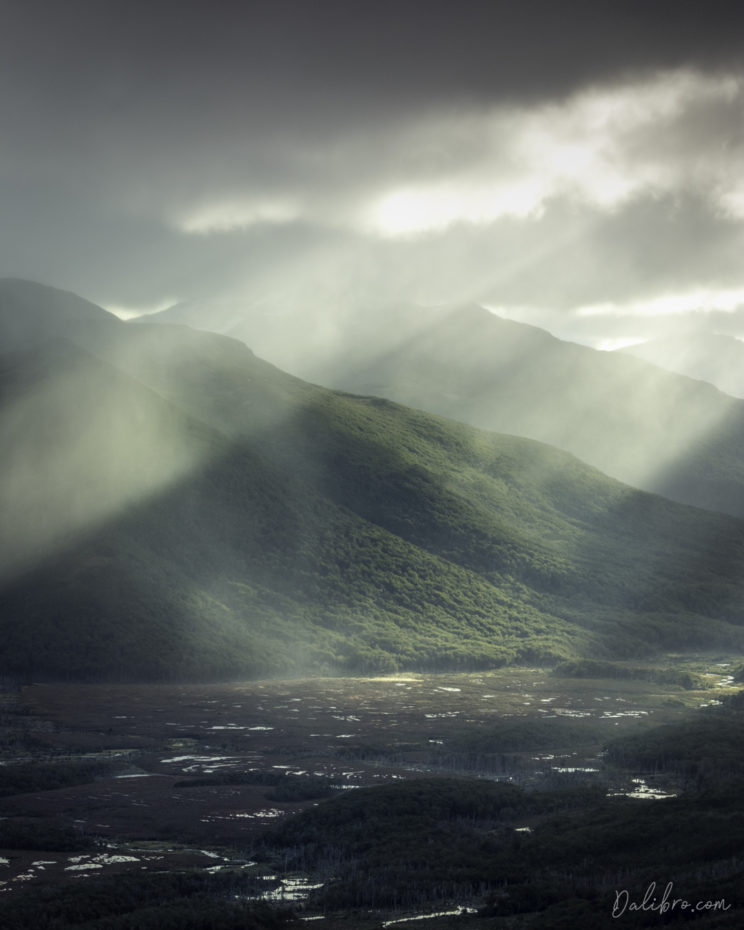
[538, 163]
[371, 401]
[82, 444]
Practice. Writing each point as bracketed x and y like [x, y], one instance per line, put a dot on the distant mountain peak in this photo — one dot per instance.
[706, 356]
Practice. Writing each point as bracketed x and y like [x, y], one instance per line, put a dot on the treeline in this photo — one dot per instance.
[286, 786]
[27, 833]
[596, 668]
[411, 843]
[705, 751]
[46, 776]
[163, 901]
[422, 842]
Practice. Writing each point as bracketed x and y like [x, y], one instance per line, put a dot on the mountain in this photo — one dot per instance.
[711, 357]
[180, 508]
[28, 309]
[654, 429]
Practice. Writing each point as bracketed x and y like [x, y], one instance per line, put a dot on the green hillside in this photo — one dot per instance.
[651, 428]
[182, 508]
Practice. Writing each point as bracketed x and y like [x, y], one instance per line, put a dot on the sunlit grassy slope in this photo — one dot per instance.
[651, 428]
[187, 509]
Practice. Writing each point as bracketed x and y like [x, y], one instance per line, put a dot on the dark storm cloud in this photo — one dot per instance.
[156, 150]
[181, 70]
[110, 51]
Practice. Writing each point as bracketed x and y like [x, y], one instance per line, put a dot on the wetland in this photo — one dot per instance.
[299, 800]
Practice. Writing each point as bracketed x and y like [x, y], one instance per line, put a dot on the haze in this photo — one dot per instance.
[573, 165]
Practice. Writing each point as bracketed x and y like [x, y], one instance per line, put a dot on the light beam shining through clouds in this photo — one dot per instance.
[390, 156]
[282, 196]
[599, 147]
[574, 166]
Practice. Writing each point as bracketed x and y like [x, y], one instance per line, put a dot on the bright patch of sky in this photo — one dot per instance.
[540, 155]
[601, 147]
[696, 301]
[226, 215]
[624, 342]
[131, 312]
[414, 211]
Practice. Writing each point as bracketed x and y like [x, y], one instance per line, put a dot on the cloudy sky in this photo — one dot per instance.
[577, 165]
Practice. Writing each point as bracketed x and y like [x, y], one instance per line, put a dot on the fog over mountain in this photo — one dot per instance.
[575, 166]
[711, 357]
[429, 202]
[174, 506]
[371, 416]
[635, 421]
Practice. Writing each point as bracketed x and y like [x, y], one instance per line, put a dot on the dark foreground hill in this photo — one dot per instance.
[177, 507]
[651, 428]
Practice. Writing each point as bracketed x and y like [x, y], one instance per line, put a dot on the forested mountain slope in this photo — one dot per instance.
[178, 507]
[644, 425]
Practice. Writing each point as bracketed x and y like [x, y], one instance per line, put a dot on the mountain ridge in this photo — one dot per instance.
[255, 524]
[643, 425]
[29, 309]
[712, 357]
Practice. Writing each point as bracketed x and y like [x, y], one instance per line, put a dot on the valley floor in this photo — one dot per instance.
[157, 779]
